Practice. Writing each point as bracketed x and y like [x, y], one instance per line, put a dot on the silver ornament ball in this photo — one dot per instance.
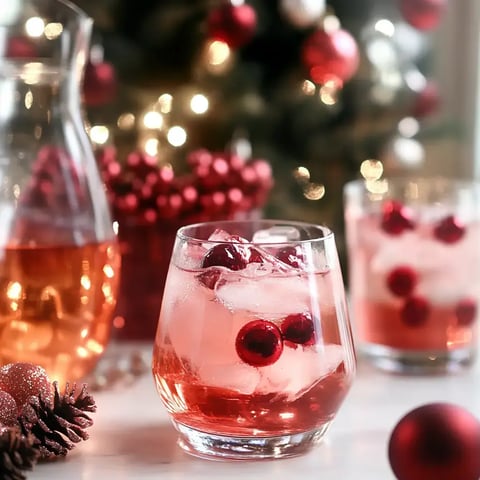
[303, 13]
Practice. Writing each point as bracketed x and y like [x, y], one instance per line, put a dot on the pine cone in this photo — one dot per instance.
[58, 424]
[17, 453]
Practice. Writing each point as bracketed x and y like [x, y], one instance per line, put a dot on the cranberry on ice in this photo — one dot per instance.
[402, 280]
[291, 256]
[466, 311]
[415, 311]
[298, 328]
[449, 230]
[225, 255]
[259, 343]
[396, 218]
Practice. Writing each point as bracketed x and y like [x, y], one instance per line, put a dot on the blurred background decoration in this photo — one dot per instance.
[324, 91]
[201, 109]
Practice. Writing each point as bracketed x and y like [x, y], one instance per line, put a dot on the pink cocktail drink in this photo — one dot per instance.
[414, 269]
[253, 344]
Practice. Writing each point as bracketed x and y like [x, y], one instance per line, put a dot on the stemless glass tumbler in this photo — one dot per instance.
[253, 355]
[58, 254]
[414, 271]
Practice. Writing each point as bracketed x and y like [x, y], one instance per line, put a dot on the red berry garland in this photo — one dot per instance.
[218, 185]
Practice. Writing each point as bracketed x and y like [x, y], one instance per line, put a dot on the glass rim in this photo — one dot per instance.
[325, 233]
[358, 185]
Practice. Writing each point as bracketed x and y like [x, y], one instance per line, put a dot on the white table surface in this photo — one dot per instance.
[133, 439]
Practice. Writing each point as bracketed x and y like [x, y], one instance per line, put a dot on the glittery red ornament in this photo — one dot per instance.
[99, 84]
[233, 24]
[437, 441]
[423, 14]
[8, 409]
[330, 56]
[23, 380]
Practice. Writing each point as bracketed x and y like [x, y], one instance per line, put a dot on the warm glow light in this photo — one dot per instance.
[218, 52]
[85, 282]
[35, 26]
[386, 27]
[177, 136]
[82, 352]
[371, 169]
[151, 146]
[314, 191]
[302, 174]
[153, 120]
[108, 271]
[108, 292]
[16, 190]
[199, 104]
[217, 56]
[14, 290]
[99, 134]
[126, 121]
[94, 346]
[377, 186]
[31, 72]
[53, 30]
[329, 92]
[28, 100]
[165, 103]
[308, 87]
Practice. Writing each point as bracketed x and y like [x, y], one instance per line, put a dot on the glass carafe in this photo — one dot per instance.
[58, 252]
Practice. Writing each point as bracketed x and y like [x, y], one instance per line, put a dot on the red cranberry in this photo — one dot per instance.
[209, 277]
[291, 256]
[298, 328]
[449, 230]
[395, 218]
[466, 311]
[225, 255]
[255, 256]
[402, 280]
[415, 311]
[259, 343]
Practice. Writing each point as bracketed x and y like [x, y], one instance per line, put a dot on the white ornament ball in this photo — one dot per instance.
[403, 154]
[303, 13]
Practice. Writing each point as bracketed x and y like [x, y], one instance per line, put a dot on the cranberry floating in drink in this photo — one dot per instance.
[253, 355]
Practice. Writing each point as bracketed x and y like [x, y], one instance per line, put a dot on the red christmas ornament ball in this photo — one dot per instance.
[233, 24]
[423, 14]
[437, 441]
[23, 380]
[330, 56]
[427, 100]
[99, 84]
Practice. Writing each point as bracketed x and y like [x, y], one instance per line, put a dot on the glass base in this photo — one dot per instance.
[221, 447]
[418, 363]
